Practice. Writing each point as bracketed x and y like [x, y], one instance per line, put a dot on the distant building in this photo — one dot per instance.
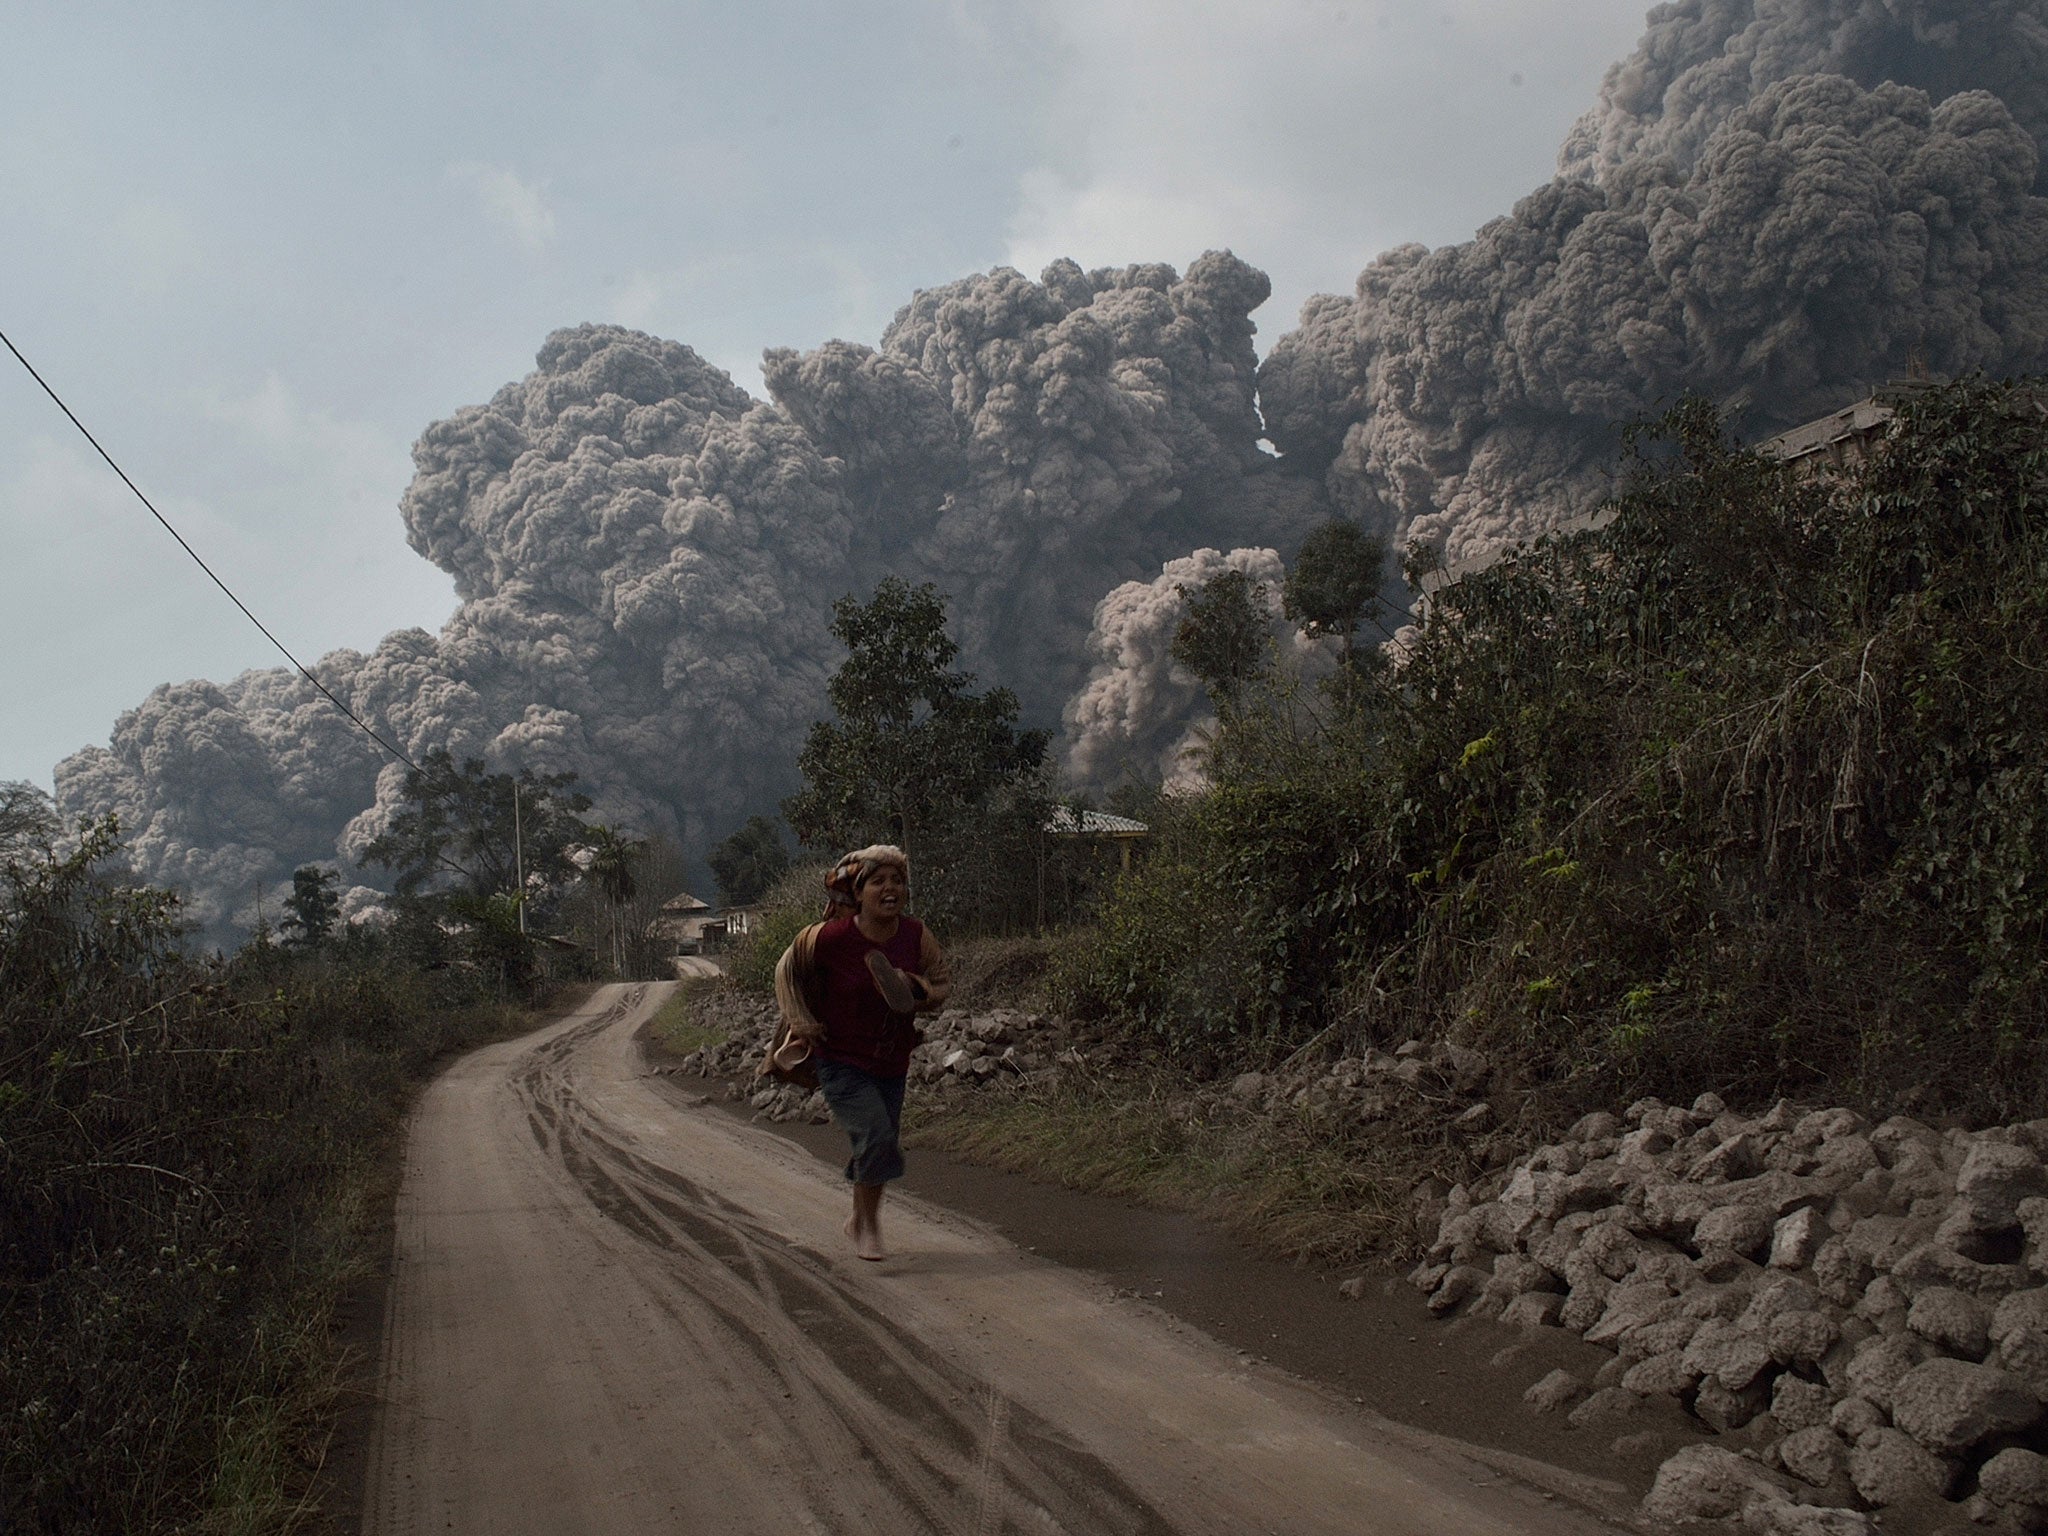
[681, 923]
[1065, 821]
[687, 927]
[1833, 442]
[731, 923]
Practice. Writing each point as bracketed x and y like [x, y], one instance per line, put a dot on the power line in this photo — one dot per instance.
[282, 650]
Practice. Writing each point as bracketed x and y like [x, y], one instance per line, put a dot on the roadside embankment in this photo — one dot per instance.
[1859, 1310]
[1822, 1317]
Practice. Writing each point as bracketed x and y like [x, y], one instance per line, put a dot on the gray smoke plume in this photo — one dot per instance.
[1755, 212]
[1140, 713]
[1701, 60]
[647, 558]
[1132, 717]
[1029, 445]
[643, 553]
[222, 790]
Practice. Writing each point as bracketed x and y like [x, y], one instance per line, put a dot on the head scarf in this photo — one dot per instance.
[842, 885]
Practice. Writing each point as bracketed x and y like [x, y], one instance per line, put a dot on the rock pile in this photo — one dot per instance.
[979, 1048]
[1451, 1079]
[988, 1047]
[747, 1026]
[1863, 1308]
[964, 1050]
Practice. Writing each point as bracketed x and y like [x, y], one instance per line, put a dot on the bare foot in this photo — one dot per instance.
[867, 1241]
[865, 1225]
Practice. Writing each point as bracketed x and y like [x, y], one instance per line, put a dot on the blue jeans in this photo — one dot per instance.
[870, 1110]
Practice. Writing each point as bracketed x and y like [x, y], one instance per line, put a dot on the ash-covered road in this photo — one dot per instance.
[614, 1311]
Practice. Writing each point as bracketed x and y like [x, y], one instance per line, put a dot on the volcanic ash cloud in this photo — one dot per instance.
[642, 552]
[1779, 206]
[1028, 445]
[1140, 711]
[647, 558]
[1743, 217]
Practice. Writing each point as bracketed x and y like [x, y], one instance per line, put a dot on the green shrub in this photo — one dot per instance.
[185, 1154]
[793, 903]
[1745, 790]
[1162, 961]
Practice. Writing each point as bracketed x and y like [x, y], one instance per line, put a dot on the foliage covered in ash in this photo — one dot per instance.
[1743, 790]
[187, 1149]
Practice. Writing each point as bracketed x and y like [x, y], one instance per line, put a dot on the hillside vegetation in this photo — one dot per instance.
[192, 1156]
[1747, 790]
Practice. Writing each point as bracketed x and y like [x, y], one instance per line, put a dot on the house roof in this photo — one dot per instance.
[683, 901]
[1862, 419]
[1100, 823]
[1828, 436]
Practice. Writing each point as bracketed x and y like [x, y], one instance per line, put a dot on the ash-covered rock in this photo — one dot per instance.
[977, 1049]
[1870, 1301]
[966, 1049]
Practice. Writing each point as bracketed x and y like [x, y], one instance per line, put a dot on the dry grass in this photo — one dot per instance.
[1007, 972]
[1290, 1184]
[683, 1025]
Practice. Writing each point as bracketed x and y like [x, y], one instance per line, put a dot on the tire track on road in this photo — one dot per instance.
[609, 1316]
[846, 1370]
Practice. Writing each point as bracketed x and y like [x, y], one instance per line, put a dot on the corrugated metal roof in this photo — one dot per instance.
[1862, 419]
[1100, 822]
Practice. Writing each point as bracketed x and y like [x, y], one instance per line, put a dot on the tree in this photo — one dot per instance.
[312, 907]
[459, 830]
[493, 937]
[610, 869]
[1222, 637]
[913, 749]
[659, 872]
[1335, 580]
[29, 826]
[917, 758]
[747, 863]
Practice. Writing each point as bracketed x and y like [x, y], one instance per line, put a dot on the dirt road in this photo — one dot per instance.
[615, 1312]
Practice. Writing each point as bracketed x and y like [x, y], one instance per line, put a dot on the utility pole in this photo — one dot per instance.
[519, 858]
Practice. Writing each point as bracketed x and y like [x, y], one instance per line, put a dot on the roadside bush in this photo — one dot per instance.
[1162, 960]
[793, 903]
[187, 1150]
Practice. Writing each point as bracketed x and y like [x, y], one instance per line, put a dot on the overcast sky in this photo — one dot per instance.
[259, 248]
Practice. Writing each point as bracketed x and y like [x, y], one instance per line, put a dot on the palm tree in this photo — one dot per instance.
[612, 858]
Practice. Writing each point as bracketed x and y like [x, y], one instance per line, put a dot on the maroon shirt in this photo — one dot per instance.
[860, 1031]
